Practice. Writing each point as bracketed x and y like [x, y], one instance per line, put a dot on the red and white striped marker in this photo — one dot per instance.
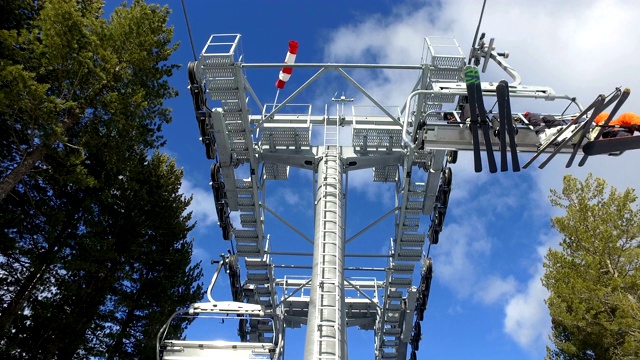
[285, 73]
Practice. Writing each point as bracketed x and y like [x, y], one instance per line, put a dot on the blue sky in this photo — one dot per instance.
[486, 299]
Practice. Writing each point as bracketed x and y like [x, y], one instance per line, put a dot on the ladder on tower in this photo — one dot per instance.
[331, 132]
[327, 345]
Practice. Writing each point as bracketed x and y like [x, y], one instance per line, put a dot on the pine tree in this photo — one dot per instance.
[593, 278]
[71, 70]
[94, 253]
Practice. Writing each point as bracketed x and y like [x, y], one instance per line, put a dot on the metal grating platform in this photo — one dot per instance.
[276, 171]
[377, 138]
[285, 137]
[444, 54]
[385, 174]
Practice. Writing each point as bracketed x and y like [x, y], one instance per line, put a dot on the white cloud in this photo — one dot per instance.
[465, 257]
[527, 318]
[200, 254]
[202, 205]
[290, 196]
[235, 220]
[286, 200]
[362, 181]
[496, 288]
[461, 264]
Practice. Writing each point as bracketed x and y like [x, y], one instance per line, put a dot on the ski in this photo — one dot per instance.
[506, 123]
[502, 127]
[587, 126]
[471, 77]
[600, 106]
[611, 145]
[559, 133]
[512, 132]
[484, 125]
[623, 98]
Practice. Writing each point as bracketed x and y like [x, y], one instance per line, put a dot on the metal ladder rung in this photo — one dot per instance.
[327, 325]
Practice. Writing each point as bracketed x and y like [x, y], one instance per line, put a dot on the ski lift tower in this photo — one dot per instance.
[238, 130]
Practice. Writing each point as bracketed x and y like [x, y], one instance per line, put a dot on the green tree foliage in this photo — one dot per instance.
[69, 71]
[94, 254]
[594, 278]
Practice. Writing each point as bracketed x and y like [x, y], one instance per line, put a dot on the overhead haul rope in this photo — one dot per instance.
[186, 18]
[475, 37]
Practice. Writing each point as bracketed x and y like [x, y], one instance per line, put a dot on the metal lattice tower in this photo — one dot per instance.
[393, 145]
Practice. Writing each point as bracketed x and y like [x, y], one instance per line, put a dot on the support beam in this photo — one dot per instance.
[326, 324]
